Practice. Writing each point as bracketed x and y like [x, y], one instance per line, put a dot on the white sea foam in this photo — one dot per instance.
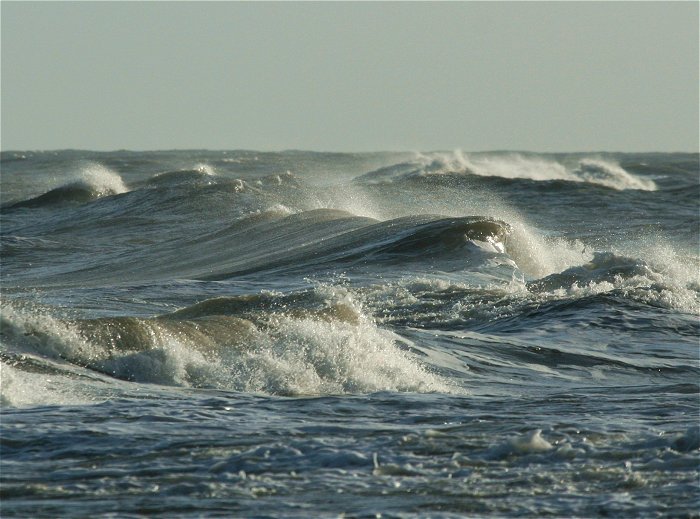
[671, 279]
[100, 180]
[337, 351]
[611, 174]
[655, 278]
[538, 255]
[35, 331]
[205, 169]
[525, 444]
[20, 388]
[514, 165]
[506, 166]
[310, 356]
[39, 335]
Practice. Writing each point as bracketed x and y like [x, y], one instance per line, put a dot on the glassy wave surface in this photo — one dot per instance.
[297, 334]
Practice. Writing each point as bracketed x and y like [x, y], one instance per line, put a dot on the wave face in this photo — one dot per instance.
[262, 326]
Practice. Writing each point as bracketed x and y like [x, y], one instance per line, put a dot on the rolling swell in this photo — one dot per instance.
[304, 243]
[76, 193]
[346, 240]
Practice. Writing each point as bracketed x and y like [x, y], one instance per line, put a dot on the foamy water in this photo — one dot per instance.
[440, 334]
[594, 170]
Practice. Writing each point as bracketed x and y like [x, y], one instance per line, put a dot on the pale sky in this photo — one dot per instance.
[540, 76]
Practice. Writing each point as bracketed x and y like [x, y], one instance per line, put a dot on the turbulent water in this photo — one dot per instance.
[296, 334]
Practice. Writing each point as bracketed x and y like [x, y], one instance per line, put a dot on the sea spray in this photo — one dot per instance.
[465, 333]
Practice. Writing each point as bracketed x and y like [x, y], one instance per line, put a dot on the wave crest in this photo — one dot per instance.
[611, 174]
[331, 348]
[511, 166]
[91, 182]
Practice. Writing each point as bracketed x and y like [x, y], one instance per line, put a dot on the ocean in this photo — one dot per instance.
[303, 334]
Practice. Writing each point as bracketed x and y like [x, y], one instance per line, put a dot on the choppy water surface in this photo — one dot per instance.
[312, 334]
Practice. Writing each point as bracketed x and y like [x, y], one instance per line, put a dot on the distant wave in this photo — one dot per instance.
[93, 181]
[611, 174]
[512, 166]
[202, 173]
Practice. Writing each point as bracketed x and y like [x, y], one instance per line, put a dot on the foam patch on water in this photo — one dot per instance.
[529, 443]
[19, 388]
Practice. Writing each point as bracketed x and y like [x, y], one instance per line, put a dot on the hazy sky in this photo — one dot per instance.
[542, 76]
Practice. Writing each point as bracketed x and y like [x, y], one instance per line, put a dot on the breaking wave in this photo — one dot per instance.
[332, 348]
[512, 166]
[92, 181]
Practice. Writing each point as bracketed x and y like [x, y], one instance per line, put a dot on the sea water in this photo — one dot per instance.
[297, 334]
